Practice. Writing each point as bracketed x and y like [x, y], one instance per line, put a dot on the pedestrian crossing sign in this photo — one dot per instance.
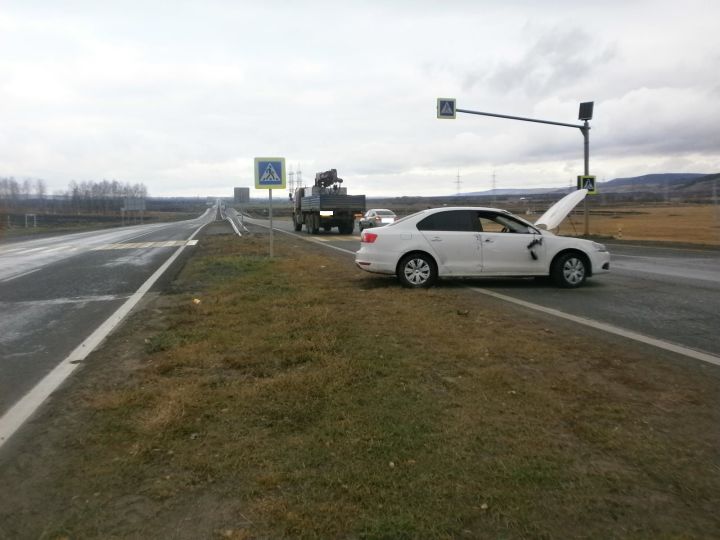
[587, 182]
[269, 173]
[446, 108]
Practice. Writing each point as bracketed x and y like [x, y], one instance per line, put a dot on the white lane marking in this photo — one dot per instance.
[144, 245]
[9, 278]
[313, 240]
[70, 300]
[610, 329]
[26, 251]
[10, 250]
[60, 248]
[232, 222]
[14, 418]
[709, 250]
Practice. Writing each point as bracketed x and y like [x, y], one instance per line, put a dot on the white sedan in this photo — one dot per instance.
[473, 242]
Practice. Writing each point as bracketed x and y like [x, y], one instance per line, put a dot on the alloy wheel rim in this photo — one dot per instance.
[417, 271]
[574, 271]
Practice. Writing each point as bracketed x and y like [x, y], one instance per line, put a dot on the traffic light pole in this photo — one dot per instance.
[586, 144]
[584, 129]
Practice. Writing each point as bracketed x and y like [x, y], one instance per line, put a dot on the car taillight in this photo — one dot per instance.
[368, 237]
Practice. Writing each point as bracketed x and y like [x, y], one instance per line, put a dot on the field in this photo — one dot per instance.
[688, 224]
[300, 397]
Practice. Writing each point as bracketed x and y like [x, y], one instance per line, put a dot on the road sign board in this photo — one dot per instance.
[587, 182]
[269, 173]
[446, 108]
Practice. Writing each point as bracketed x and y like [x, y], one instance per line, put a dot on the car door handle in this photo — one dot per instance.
[489, 241]
[436, 239]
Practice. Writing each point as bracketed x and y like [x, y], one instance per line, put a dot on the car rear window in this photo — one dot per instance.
[451, 220]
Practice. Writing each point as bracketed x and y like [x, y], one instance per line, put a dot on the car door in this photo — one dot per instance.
[453, 239]
[509, 246]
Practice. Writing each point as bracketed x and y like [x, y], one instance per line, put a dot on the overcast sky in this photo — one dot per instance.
[183, 95]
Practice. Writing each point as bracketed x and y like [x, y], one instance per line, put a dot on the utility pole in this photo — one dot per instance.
[586, 145]
[715, 201]
[494, 185]
[457, 182]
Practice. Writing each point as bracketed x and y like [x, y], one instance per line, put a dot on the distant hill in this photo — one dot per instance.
[502, 192]
[678, 183]
[648, 180]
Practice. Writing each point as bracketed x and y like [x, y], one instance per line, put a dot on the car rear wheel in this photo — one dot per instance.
[570, 270]
[417, 270]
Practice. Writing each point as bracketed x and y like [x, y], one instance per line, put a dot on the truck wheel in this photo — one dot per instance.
[345, 228]
[298, 224]
[314, 224]
[569, 270]
[417, 270]
[327, 228]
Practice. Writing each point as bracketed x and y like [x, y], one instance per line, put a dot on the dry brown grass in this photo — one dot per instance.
[303, 398]
[693, 224]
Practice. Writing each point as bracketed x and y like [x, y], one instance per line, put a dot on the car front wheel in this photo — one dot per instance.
[570, 270]
[417, 270]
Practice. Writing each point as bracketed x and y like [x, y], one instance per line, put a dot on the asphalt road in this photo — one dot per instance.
[56, 291]
[669, 294]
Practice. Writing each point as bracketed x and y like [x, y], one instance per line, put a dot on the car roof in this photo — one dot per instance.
[482, 208]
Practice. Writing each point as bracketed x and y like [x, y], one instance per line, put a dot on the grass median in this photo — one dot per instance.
[299, 397]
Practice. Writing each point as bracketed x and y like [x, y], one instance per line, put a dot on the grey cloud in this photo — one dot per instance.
[556, 60]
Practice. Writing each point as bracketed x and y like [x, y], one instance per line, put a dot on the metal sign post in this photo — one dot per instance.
[241, 197]
[446, 109]
[271, 225]
[270, 174]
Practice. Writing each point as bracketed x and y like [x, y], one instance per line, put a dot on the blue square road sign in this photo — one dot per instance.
[446, 108]
[269, 173]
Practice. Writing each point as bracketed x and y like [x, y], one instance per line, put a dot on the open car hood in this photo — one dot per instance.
[559, 211]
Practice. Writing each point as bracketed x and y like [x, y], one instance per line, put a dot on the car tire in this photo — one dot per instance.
[569, 270]
[417, 271]
[346, 227]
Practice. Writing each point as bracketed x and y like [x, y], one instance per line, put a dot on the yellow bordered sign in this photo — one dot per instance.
[587, 182]
[269, 173]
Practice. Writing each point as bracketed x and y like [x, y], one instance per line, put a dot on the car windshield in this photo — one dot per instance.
[384, 213]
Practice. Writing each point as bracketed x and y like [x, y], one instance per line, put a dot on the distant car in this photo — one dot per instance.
[376, 217]
[474, 242]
